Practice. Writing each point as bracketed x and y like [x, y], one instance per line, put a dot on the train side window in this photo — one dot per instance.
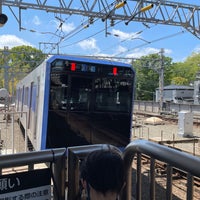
[22, 102]
[17, 98]
[30, 104]
[26, 96]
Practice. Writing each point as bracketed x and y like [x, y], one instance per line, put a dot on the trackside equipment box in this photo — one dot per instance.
[185, 123]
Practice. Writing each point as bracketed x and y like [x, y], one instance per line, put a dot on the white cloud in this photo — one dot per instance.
[167, 51]
[139, 52]
[125, 36]
[89, 44]
[120, 49]
[12, 41]
[36, 20]
[68, 27]
[197, 49]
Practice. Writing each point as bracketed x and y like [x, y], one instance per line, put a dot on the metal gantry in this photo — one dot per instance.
[162, 12]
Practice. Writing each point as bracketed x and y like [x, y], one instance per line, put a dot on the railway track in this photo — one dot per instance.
[171, 117]
[167, 133]
[179, 179]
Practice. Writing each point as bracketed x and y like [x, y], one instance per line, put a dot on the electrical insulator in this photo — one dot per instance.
[112, 22]
[91, 20]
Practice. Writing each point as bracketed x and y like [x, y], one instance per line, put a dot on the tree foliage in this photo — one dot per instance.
[25, 57]
[183, 73]
[148, 68]
[17, 62]
[147, 75]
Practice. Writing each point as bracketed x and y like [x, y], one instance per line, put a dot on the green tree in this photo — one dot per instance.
[147, 75]
[25, 57]
[179, 81]
[20, 61]
[184, 73]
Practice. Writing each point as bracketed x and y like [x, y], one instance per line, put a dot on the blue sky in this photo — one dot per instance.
[134, 40]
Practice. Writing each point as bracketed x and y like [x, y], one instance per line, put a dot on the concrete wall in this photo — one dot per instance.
[150, 106]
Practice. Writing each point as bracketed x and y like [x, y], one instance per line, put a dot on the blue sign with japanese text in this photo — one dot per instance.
[30, 185]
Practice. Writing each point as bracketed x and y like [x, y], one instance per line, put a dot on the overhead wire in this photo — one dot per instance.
[86, 37]
[81, 26]
[88, 26]
[153, 41]
[94, 35]
[147, 43]
[59, 33]
[104, 29]
[138, 32]
[74, 32]
[61, 22]
[71, 33]
[59, 29]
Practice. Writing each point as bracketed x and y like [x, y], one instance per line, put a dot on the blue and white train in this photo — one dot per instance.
[70, 100]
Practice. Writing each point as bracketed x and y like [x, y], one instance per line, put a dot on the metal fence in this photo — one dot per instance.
[154, 107]
[173, 159]
[11, 138]
[65, 168]
[29, 161]
[134, 150]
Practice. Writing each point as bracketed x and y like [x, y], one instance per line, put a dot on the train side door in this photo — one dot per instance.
[30, 104]
[36, 106]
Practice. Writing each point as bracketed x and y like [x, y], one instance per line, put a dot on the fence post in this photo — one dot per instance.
[59, 171]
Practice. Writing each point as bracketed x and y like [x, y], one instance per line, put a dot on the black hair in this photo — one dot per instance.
[104, 170]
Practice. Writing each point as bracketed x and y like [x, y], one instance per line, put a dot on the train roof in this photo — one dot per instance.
[88, 60]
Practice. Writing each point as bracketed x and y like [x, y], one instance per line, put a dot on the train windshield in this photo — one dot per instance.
[100, 89]
[91, 102]
[112, 94]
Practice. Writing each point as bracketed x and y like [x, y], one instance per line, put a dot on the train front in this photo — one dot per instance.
[90, 102]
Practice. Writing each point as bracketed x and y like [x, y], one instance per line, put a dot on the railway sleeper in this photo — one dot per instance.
[160, 171]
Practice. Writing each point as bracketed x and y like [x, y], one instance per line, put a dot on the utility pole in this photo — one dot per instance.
[6, 67]
[161, 78]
